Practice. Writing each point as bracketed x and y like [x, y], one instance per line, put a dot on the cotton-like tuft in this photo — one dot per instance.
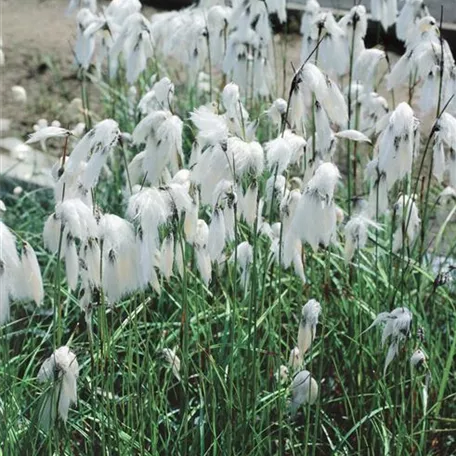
[46, 133]
[356, 234]
[32, 285]
[61, 369]
[124, 270]
[51, 233]
[77, 218]
[9, 268]
[397, 329]
[167, 257]
[278, 155]
[295, 359]
[308, 325]
[94, 148]
[244, 257]
[217, 235]
[304, 390]
[316, 204]
[408, 222]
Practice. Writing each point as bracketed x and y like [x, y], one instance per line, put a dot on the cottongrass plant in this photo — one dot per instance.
[61, 370]
[201, 223]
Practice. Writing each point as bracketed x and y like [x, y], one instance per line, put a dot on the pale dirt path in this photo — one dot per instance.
[37, 39]
[37, 42]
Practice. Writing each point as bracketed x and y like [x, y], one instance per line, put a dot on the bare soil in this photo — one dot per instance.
[38, 38]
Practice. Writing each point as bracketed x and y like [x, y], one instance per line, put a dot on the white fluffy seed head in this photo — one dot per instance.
[316, 203]
[407, 214]
[308, 325]
[77, 218]
[325, 180]
[217, 235]
[417, 358]
[167, 257]
[51, 233]
[295, 359]
[71, 263]
[31, 274]
[64, 364]
[278, 155]
[304, 390]
[124, 270]
[396, 329]
[244, 257]
[356, 234]
[9, 269]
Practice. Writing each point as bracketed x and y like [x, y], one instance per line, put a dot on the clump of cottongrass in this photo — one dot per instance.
[183, 35]
[217, 235]
[84, 48]
[122, 269]
[409, 222]
[308, 325]
[158, 98]
[275, 186]
[353, 135]
[61, 371]
[397, 329]
[357, 232]
[73, 5]
[276, 113]
[248, 204]
[73, 220]
[373, 108]
[278, 155]
[445, 137]
[9, 265]
[296, 251]
[354, 24]
[151, 208]
[244, 257]
[418, 358]
[295, 359]
[428, 61]
[20, 278]
[161, 132]
[304, 390]
[411, 12]
[71, 261]
[369, 64]
[191, 220]
[203, 259]
[317, 201]
[167, 256]
[385, 12]
[77, 219]
[85, 163]
[45, 133]
[311, 89]
[282, 373]
[446, 201]
[30, 283]
[249, 54]
[395, 151]
[333, 53]
[135, 43]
